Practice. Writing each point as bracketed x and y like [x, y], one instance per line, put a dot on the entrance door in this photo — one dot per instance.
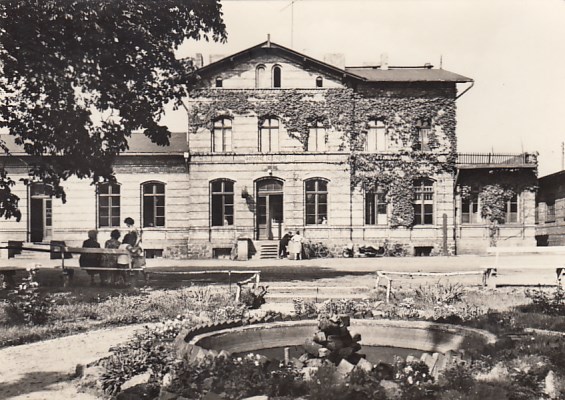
[40, 213]
[270, 216]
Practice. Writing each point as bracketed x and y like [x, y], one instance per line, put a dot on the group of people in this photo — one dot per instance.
[291, 244]
[134, 257]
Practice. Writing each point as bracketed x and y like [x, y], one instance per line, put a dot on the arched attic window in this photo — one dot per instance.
[277, 76]
[260, 77]
[319, 81]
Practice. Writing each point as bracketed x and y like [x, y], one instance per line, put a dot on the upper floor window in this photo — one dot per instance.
[470, 209]
[550, 211]
[269, 135]
[153, 204]
[376, 136]
[219, 82]
[317, 138]
[512, 210]
[222, 197]
[108, 205]
[375, 207]
[277, 72]
[222, 135]
[319, 81]
[316, 202]
[423, 131]
[423, 202]
[261, 77]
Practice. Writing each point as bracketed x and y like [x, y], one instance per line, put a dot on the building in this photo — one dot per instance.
[280, 141]
[550, 202]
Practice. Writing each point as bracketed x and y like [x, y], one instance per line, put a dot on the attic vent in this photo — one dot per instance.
[219, 82]
[319, 81]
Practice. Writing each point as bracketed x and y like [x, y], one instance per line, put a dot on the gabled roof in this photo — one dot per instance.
[366, 74]
[139, 144]
[269, 46]
[407, 74]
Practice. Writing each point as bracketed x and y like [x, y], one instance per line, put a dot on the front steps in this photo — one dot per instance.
[266, 249]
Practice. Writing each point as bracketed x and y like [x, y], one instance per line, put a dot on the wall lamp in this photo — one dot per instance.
[244, 193]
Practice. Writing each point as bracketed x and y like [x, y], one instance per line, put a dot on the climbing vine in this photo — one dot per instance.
[350, 112]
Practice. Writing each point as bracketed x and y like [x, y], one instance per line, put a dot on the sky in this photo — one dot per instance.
[514, 51]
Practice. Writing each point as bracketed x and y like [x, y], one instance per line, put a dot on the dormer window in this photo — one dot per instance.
[277, 76]
[260, 77]
[219, 82]
[319, 82]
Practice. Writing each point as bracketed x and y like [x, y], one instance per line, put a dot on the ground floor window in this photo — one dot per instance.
[153, 204]
[222, 202]
[108, 205]
[375, 207]
[316, 202]
[470, 209]
[512, 210]
[423, 202]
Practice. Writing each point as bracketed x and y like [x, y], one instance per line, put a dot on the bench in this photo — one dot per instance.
[121, 275]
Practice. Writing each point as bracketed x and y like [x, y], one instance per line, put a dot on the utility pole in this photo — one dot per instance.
[562, 156]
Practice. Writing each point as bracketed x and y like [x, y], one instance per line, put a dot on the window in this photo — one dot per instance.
[277, 76]
[317, 138]
[423, 202]
[470, 209]
[219, 82]
[423, 130]
[222, 202]
[222, 135]
[260, 77]
[269, 136]
[512, 210]
[375, 207]
[316, 202]
[319, 81]
[550, 211]
[153, 204]
[108, 205]
[376, 136]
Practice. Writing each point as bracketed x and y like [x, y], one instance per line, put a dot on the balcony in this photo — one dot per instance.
[493, 160]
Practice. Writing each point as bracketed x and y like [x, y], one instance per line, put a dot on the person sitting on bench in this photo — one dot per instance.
[110, 260]
[90, 260]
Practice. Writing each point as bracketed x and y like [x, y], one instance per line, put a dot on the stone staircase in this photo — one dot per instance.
[266, 249]
[318, 294]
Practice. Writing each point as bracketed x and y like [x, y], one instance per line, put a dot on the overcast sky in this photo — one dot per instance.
[514, 50]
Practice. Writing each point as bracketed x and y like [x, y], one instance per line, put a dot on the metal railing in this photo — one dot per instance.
[494, 158]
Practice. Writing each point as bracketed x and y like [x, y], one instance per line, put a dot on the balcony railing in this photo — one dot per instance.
[501, 160]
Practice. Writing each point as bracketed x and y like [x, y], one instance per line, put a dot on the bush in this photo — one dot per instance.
[550, 303]
[27, 305]
[440, 293]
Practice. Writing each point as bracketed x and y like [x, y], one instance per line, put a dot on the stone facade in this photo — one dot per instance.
[220, 181]
[550, 209]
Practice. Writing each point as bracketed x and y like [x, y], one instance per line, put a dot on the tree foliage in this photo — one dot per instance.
[79, 76]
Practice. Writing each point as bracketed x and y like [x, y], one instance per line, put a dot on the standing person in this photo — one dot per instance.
[110, 260]
[296, 244]
[283, 244]
[90, 260]
[132, 230]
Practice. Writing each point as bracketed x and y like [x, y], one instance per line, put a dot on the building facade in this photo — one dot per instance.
[279, 141]
[550, 202]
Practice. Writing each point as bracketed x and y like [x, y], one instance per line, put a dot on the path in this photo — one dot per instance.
[42, 371]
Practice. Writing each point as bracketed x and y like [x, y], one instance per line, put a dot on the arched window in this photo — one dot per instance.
[269, 135]
[375, 207]
[277, 72]
[219, 82]
[153, 204]
[319, 81]
[221, 202]
[423, 130]
[376, 136]
[108, 199]
[316, 201]
[222, 135]
[317, 137]
[423, 202]
[260, 77]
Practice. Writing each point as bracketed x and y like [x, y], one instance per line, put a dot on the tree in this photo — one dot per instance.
[77, 77]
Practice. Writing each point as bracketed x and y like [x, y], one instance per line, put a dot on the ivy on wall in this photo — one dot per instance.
[349, 112]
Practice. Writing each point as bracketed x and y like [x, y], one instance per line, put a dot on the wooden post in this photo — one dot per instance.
[257, 279]
[388, 290]
[238, 293]
[286, 355]
[444, 233]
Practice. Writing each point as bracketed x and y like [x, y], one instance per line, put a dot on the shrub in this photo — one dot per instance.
[551, 303]
[26, 304]
[440, 293]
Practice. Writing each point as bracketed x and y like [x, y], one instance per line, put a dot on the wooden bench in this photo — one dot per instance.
[121, 275]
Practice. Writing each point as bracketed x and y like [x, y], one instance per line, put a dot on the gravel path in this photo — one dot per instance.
[43, 370]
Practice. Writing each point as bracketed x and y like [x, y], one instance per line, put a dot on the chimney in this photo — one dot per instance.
[335, 59]
[216, 57]
[198, 60]
[384, 61]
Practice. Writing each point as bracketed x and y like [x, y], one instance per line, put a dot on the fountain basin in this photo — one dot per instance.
[418, 335]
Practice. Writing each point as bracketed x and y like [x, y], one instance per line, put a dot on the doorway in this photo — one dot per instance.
[40, 213]
[270, 216]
